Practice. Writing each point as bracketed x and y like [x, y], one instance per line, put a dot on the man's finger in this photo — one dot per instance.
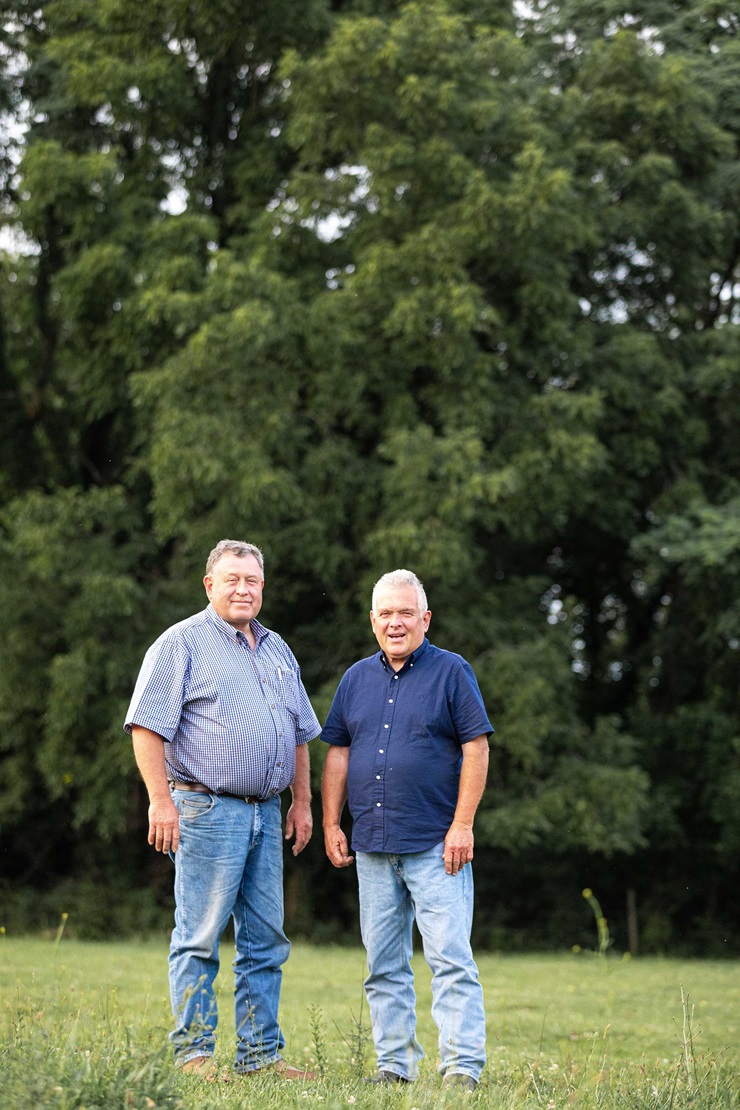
[302, 837]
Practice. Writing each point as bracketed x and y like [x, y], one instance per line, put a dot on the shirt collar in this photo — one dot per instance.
[258, 630]
[409, 660]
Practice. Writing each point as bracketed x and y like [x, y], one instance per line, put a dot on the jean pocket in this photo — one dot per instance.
[190, 806]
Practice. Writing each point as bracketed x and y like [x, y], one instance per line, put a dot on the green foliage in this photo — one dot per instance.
[453, 286]
[61, 683]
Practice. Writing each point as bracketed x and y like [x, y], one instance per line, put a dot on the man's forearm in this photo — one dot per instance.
[334, 785]
[164, 824]
[149, 755]
[299, 822]
[301, 787]
[333, 797]
[473, 775]
[459, 841]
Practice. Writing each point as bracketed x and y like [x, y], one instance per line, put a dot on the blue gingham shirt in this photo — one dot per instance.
[231, 717]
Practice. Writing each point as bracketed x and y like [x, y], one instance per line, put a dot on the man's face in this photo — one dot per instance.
[398, 623]
[234, 589]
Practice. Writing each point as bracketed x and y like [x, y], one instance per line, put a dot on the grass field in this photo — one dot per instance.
[85, 1025]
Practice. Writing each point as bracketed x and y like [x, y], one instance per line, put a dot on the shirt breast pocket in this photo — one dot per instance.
[288, 691]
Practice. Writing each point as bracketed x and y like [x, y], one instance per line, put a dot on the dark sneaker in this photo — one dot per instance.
[385, 1077]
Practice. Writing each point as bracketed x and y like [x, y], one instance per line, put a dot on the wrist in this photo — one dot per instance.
[159, 796]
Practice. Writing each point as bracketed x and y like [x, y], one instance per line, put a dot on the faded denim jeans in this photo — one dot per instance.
[393, 890]
[230, 862]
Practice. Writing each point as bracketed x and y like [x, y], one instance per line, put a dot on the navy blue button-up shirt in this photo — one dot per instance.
[405, 730]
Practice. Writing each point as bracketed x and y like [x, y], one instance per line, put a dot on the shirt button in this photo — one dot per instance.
[378, 804]
[380, 750]
[377, 776]
[395, 678]
[385, 726]
[390, 701]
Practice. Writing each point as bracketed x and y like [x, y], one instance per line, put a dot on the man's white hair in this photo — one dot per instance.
[395, 578]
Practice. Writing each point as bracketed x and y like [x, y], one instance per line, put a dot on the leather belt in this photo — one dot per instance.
[199, 788]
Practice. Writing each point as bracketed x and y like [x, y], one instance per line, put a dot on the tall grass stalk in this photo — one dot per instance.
[60, 930]
[316, 1023]
[602, 925]
[688, 1039]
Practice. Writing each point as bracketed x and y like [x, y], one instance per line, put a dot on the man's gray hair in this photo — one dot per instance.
[234, 547]
[395, 578]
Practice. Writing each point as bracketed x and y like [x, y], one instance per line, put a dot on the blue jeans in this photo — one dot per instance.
[394, 889]
[230, 862]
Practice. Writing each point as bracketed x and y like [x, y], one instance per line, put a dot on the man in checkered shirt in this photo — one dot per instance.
[220, 723]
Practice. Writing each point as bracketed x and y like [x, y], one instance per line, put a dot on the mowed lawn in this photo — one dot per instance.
[562, 1030]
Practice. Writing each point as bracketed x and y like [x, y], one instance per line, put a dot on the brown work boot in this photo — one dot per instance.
[285, 1071]
[199, 1065]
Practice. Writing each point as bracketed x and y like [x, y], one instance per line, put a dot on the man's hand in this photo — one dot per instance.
[336, 846]
[299, 823]
[458, 847]
[164, 825]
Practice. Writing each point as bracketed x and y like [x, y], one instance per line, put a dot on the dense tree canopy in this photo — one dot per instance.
[447, 284]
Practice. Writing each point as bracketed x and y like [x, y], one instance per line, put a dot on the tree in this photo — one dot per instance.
[450, 289]
[128, 113]
[547, 262]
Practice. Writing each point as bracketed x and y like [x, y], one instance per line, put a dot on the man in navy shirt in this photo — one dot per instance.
[408, 735]
[220, 723]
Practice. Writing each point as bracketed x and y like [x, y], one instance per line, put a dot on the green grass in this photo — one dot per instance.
[85, 1025]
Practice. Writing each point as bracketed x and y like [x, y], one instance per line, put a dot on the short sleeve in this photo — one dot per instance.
[335, 730]
[308, 723]
[160, 691]
[468, 711]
